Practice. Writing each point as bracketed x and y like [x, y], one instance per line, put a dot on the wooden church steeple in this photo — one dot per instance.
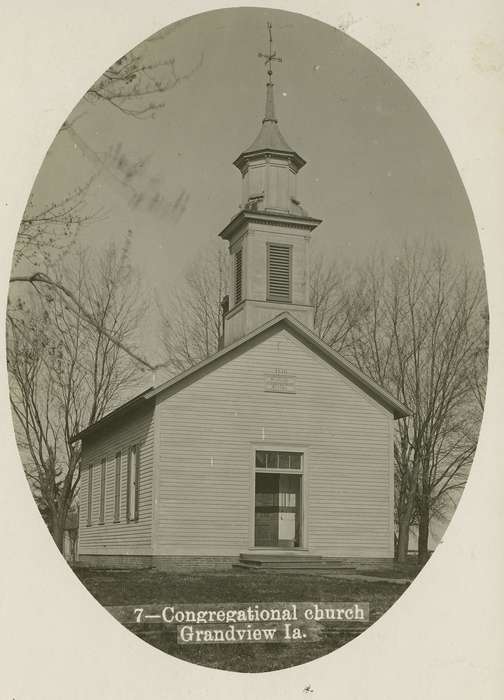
[269, 237]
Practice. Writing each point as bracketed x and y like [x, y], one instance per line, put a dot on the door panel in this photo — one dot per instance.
[266, 514]
[278, 510]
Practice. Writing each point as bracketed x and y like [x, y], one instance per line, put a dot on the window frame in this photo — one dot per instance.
[90, 496]
[300, 448]
[133, 485]
[117, 486]
[103, 483]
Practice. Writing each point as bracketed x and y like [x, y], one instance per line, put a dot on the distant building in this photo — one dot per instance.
[275, 444]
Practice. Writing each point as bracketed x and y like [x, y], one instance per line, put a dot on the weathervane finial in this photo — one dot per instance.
[270, 56]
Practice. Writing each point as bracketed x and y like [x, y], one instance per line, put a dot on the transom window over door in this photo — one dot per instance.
[278, 460]
[279, 272]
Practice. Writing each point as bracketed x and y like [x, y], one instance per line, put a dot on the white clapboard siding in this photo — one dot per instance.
[208, 432]
[118, 537]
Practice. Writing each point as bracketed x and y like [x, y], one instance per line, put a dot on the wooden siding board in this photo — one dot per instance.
[118, 537]
[207, 435]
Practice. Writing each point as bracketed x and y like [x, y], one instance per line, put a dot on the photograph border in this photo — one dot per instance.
[458, 653]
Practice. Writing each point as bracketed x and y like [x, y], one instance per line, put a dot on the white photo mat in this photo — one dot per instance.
[444, 638]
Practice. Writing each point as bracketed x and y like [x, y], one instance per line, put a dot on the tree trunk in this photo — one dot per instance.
[423, 532]
[403, 539]
[58, 526]
[407, 514]
[58, 533]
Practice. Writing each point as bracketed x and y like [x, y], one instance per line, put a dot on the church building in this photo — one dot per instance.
[275, 449]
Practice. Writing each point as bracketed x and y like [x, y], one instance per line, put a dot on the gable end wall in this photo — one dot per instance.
[209, 429]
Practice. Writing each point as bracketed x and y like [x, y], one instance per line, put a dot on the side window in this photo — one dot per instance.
[117, 491]
[90, 495]
[133, 491]
[103, 476]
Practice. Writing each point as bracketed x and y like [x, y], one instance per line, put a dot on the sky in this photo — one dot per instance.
[378, 171]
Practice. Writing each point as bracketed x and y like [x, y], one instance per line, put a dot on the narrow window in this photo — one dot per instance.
[117, 492]
[133, 483]
[279, 272]
[238, 276]
[90, 495]
[103, 475]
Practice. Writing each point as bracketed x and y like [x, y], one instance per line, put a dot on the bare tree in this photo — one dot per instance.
[192, 319]
[421, 326]
[48, 231]
[65, 372]
[336, 304]
[135, 82]
[133, 86]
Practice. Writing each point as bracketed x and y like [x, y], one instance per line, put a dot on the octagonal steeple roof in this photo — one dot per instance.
[270, 140]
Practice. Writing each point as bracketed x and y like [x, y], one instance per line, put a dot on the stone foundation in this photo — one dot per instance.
[115, 561]
[205, 563]
[159, 562]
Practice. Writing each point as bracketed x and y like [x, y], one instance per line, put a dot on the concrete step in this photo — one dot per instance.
[275, 556]
[293, 566]
[292, 561]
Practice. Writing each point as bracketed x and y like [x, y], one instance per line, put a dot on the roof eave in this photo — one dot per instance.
[261, 216]
[261, 152]
[120, 410]
[392, 404]
[380, 395]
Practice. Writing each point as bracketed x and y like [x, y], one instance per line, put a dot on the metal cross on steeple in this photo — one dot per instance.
[271, 55]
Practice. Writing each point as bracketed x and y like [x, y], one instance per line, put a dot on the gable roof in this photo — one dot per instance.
[283, 320]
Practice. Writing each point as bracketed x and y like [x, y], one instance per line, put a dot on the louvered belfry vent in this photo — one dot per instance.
[279, 272]
[238, 276]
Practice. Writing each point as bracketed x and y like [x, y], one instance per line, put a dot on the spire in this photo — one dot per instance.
[269, 114]
[270, 139]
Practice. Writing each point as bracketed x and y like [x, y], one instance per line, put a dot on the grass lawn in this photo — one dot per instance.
[131, 587]
[409, 569]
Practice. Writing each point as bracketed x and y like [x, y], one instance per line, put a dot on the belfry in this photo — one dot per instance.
[269, 237]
